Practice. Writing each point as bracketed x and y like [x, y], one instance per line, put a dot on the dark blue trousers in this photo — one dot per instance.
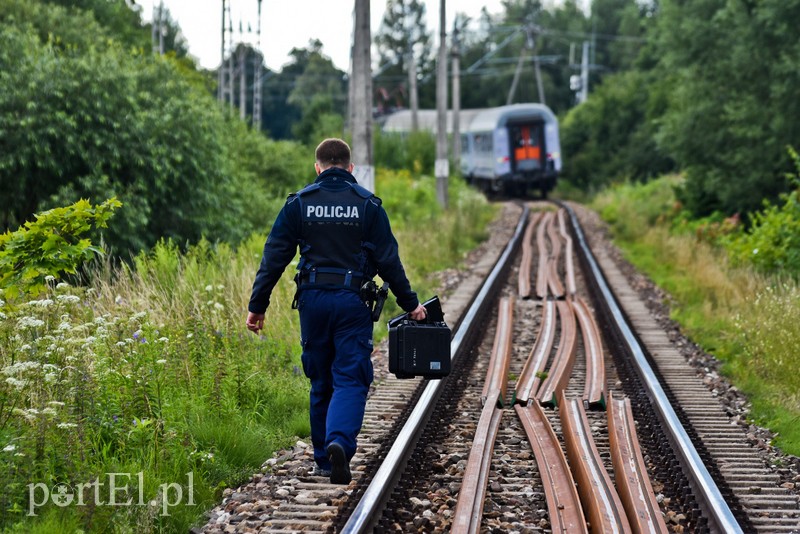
[336, 333]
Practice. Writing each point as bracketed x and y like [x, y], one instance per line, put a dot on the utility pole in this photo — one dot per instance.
[584, 94]
[257, 76]
[221, 72]
[229, 85]
[442, 166]
[456, 53]
[413, 97]
[242, 61]
[412, 88]
[158, 29]
[362, 97]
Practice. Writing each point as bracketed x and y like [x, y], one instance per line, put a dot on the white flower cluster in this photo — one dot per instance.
[41, 303]
[29, 322]
[68, 299]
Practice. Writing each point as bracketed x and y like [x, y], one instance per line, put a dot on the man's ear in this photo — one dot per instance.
[317, 168]
[350, 168]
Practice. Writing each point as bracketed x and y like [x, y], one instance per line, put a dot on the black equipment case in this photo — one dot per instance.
[420, 348]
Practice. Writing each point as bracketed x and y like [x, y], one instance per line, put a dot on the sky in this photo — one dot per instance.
[287, 24]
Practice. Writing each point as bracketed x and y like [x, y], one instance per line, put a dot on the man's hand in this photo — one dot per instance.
[419, 313]
[255, 321]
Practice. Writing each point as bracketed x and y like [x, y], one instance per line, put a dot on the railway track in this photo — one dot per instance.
[553, 420]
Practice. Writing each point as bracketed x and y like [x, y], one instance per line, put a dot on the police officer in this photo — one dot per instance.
[344, 238]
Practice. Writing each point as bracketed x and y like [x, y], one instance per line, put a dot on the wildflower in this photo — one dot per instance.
[218, 306]
[49, 278]
[49, 411]
[137, 334]
[55, 403]
[42, 303]
[189, 335]
[66, 426]
[163, 339]
[220, 287]
[64, 326]
[209, 287]
[9, 448]
[25, 347]
[62, 285]
[3, 316]
[29, 322]
[20, 367]
[138, 316]
[2, 302]
[118, 300]
[19, 384]
[69, 299]
[161, 362]
[91, 291]
[51, 378]
[755, 251]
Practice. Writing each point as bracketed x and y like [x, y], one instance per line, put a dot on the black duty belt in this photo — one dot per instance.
[332, 279]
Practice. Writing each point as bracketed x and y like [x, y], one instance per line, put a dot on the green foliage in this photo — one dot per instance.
[745, 319]
[772, 243]
[414, 152]
[85, 119]
[611, 135]
[731, 108]
[50, 246]
[319, 93]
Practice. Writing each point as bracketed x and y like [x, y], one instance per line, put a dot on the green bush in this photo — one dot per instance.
[772, 244]
[50, 246]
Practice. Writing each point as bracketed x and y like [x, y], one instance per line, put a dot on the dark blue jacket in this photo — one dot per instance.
[285, 238]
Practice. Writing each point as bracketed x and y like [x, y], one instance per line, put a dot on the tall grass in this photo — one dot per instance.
[747, 319]
[149, 373]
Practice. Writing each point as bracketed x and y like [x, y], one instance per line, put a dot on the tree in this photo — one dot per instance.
[403, 43]
[733, 107]
[319, 92]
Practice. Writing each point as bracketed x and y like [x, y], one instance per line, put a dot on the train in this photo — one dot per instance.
[509, 149]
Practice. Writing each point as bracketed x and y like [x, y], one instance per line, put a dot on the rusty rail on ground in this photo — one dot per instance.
[594, 391]
[530, 378]
[469, 508]
[630, 472]
[599, 498]
[561, 368]
[563, 504]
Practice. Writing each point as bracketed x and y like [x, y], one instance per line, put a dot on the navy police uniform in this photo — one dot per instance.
[345, 239]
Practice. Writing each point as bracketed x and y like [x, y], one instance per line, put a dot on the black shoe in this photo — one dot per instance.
[340, 466]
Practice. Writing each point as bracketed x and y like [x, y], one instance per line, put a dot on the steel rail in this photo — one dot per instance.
[530, 378]
[598, 496]
[561, 368]
[709, 497]
[524, 283]
[544, 255]
[497, 379]
[553, 278]
[468, 514]
[469, 507]
[630, 471]
[593, 391]
[563, 504]
[569, 265]
[385, 478]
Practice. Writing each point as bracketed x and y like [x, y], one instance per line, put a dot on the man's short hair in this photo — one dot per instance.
[333, 153]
